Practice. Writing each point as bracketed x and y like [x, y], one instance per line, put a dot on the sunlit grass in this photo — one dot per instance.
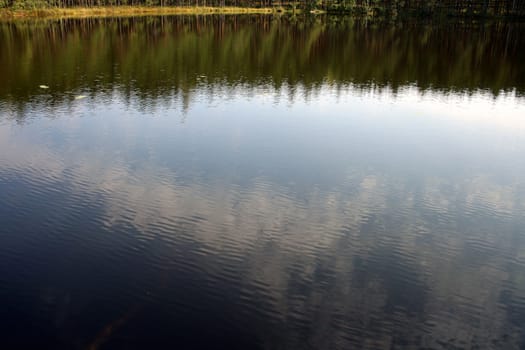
[109, 11]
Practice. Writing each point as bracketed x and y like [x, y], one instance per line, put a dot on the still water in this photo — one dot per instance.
[261, 183]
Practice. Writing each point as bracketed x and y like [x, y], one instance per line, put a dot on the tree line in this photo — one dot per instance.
[367, 7]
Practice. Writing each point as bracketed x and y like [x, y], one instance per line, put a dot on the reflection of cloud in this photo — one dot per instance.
[478, 194]
[341, 258]
[283, 240]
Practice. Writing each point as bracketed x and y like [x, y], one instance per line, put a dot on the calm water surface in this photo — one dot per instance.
[261, 183]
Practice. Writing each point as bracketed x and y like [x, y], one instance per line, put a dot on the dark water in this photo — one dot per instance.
[261, 183]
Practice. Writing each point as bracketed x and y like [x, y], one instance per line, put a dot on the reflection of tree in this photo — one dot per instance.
[156, 57]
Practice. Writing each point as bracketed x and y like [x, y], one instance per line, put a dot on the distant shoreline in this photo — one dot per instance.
[112, 11]
[283, 7]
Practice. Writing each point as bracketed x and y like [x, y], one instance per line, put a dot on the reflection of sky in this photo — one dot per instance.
[408, 205]
[262, 134]
[411, 139]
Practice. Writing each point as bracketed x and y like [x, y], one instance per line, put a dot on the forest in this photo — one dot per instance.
[422, 8]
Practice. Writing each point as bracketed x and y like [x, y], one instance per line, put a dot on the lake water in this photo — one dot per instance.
[261, 183]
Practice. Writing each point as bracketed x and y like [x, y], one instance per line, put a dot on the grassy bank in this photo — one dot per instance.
[111, 11]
